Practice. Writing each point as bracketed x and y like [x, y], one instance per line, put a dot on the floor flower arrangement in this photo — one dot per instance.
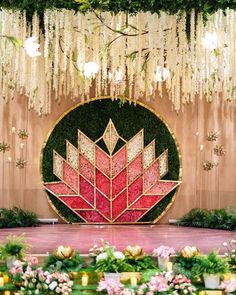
[55, 275]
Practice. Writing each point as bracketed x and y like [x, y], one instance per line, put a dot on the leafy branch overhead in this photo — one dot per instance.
[169, 6]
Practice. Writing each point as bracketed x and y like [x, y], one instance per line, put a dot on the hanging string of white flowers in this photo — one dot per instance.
[132, 55]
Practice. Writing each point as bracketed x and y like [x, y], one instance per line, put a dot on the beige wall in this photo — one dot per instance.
[214, 189]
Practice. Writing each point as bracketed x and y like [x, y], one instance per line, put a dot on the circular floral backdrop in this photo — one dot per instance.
[111, 162]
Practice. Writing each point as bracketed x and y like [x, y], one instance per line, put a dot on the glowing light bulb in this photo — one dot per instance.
[31, 47]
[91, 68]
[210, 41]
[161, 74]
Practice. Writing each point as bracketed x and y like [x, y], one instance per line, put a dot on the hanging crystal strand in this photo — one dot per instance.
[15, 56]
[128, 60]
[192, 56]
[23, 65]
[33, 93]
[1, 56]
[112, 56]
[229, 41]
[174, 65]
[169, 49]
[5, 20]
[231, 52]
[123, 54]
[183, 52]
[96, 58]
[1, 50]
[55, 57]
[223, 66]
[10, 63]
[69, 71]
[149, 67]
[72, 57]
[161, 46]
[138, 59]
[80, 53]
[48, 52]
[133, 59]
[199, 56]
[103, 55]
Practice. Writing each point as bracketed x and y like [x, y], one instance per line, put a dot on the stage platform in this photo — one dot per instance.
[45, 238]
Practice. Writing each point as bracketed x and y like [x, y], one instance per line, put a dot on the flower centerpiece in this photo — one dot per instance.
[163, 254]
[185, 260]
[43, 282]
[19, 267]
[111, 263]
[98, 249]
[182, 285]
[210, 267]
[139, 260]
[64, 259]
[112, 287]
[167, 283]
[230, 254]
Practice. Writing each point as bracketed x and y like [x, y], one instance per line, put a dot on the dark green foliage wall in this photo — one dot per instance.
[154, 6]
[92, 119]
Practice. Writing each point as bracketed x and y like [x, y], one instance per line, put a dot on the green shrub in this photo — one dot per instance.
[210, 264]
[217, 218]
[17, 217]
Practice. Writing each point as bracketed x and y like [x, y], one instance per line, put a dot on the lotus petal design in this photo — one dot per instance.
[104, 187]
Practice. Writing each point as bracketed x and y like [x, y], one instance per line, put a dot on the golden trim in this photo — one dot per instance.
[130, 101]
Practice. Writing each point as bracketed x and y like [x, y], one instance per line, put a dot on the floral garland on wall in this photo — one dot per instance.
[143, 55]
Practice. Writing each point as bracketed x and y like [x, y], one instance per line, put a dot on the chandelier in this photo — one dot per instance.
[138, 56]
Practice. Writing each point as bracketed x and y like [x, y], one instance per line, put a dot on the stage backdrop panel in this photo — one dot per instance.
[111, 162]
[199, 188]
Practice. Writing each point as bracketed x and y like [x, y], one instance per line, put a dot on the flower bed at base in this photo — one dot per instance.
[65, 272]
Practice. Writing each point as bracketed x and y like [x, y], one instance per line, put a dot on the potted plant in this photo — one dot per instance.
[112, 263]
[163, 254]
[211, 267]
[15, 248]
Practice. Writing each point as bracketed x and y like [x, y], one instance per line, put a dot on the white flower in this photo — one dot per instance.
[225, 244]
[31, 47]
[53, 285]
[90, 70]
[119, 255]
[210, 41]
[161, 74]
[102, 256]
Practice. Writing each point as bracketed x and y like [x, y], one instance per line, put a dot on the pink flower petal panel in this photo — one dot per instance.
[107, 188]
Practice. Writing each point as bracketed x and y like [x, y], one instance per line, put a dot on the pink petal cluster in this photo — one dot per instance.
[112, 287]
[229, 285]
[163, 251]
[17, 267]
[182, 284]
